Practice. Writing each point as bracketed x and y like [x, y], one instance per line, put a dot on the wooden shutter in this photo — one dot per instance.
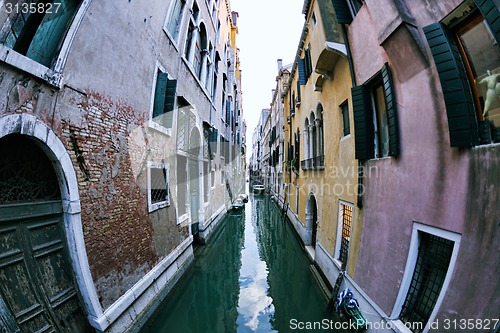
[363, 123]
[462, 121]
[491, 14]
[308, 63]
[169, 102]
[228, 111]
[301, 65]
[342, 11]
[392, 118]
[160, 94]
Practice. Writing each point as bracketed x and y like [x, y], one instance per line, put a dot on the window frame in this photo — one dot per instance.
[364, 115]
[344, 111]
[179, 19]
[340, 233]
[164, 167]
[52, 75]
[461, 103]
[410, 268]
[168, 101]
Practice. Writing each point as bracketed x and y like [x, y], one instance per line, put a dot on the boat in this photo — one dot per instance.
[238, 204]
[243, 197]
[259, 189]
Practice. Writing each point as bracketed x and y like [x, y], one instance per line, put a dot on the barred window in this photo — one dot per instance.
[158, 183]
[434, 255]
[346, 232]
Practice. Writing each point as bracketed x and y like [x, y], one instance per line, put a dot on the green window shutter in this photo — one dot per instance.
[169, 103]
[301, 65]
[160, 94]
[392, 117]
[491, 14]
[342, 11]
[363, 123]
[308, 63]
[462, 121]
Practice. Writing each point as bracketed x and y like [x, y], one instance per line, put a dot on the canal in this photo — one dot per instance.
[252, 276]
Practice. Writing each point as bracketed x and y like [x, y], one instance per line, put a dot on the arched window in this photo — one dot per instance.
[319, 125]
[313, 137]
[306, 140]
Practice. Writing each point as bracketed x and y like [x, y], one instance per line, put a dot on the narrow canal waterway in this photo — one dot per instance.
[253, 276]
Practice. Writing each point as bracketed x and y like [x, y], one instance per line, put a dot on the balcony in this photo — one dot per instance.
[315, 163]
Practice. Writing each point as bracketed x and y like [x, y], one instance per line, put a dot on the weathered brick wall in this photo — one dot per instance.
[119, 234]
[123, 241]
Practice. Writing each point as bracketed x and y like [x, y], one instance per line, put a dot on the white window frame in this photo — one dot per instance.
[157, 205]
[151, 123]
[175, 40]
[410, 268]
[340, 226]
[53, 76]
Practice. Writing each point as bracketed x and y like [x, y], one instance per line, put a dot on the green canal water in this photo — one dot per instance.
[252, 276]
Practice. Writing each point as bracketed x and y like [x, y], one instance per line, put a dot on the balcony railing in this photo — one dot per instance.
[315, 163]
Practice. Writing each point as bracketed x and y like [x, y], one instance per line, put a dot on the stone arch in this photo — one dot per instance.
[31, 127]
[311, 220]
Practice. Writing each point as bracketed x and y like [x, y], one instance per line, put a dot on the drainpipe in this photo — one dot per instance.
[354, 84]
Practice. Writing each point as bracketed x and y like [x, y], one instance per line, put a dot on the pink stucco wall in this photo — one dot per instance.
[430, 183]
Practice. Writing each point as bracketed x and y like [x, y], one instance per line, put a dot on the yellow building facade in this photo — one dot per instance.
[322, 179]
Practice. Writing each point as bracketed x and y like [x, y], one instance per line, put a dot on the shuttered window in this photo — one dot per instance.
[375, 117]
[301, 65]
[36, 32]
[467, 59]
[164, 100]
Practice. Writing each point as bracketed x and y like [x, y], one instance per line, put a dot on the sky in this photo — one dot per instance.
[268, 30]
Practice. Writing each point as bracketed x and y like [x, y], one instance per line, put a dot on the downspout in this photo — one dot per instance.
[354, 84]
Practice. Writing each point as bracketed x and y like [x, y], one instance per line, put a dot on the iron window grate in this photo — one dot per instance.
[346, 232]
[434, 255]
[159, 187]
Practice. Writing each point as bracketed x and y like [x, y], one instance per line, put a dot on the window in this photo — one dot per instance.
[175, 18]
[343, 233]
[467, 57]
[434, 254]
[158, 186]
[431, 260]
[346, 10]
[38, 35]
[345, 119]
[313, 20]
[380, 126]
[375, 117]
[304, 66]
[164, 99]
[182, 189]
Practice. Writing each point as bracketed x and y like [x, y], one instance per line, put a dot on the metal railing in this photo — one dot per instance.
[315, 163]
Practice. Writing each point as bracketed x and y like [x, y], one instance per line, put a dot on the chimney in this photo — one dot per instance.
[280, 64]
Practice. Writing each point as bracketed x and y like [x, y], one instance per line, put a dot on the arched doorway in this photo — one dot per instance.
[37, 287]
[311, 221]
[194, 179]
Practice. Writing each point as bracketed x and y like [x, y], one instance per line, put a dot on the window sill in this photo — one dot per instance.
[159, 205]
[399, 326]
[183, 218]
[29, 66]
[488, 145]
[159, 128]
[345, 137]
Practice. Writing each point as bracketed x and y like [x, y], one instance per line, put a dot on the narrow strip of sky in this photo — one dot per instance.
[268, 30]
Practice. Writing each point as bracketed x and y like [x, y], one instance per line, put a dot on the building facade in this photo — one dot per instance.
[392, 157]
[105, 128]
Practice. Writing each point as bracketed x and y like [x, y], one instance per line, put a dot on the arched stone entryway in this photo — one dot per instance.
[311, 221]
[38, 291]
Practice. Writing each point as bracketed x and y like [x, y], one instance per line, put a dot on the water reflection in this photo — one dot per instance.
[255, 307]
[253, 276]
